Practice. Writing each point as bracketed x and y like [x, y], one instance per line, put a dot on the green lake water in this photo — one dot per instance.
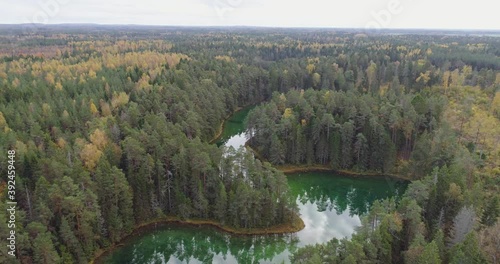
[234, 129]
[330, 206]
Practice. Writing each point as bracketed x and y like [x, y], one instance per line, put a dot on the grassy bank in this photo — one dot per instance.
[290, 168]
[294, 226]
[317, 167]
[220, 129]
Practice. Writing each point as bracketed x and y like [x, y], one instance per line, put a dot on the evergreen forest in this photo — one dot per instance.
[113, 127]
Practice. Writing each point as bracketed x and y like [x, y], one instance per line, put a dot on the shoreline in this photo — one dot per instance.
[220, 130]
[296, 225]
[290, 168]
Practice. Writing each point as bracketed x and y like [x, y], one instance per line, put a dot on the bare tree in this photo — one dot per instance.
[462, 225]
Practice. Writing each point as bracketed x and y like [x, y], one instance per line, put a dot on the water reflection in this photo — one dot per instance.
[236, 141]
[234, 133]
[184, 244]
[329, 204]
[322, 226]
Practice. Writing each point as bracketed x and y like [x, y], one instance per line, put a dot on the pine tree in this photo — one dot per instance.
[221, 204]
[71, 241]
[467, 251]
[43, 249]
[430, 254]
[491, 212]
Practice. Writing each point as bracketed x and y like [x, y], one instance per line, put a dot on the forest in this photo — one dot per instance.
[111, 128]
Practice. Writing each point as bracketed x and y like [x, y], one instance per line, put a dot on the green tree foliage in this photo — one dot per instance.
[116, 196]
[491, 212]
[347, 130]
[467, 251]
[43, 246]
[110, 133]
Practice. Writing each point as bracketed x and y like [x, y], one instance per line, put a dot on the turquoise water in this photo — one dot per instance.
[330, 206]
[234, 133]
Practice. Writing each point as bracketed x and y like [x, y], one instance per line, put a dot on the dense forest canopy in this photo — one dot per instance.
[111, 128]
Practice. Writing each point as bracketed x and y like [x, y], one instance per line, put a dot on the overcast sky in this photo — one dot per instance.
[441, 14]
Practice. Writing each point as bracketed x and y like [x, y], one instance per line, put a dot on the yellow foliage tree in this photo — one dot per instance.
[99, 139]
[424, 77]
[446, 79]
[82, 79]
[21, 148]
[90, 155]
[119, 99]
[455, 78]
[16, 82]
[454, 192]
[59, 86]
[61, 143]
[224, 58]
[65, 114]
[316, 79]
[92, 74]
[288, 113]
[371, 74]
[3, 74]
[310, 68]
[478, 124]
[466, 71]
[46, 109]
[282, 102]
[93, 109]
[495, 105]
[105, 109]
[3, 123]
[143, 83]
[50, 79]
[326, 97]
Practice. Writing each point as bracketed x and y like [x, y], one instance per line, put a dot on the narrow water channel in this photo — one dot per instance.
[330, 206]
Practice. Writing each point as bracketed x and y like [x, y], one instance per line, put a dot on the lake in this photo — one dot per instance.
[330, 204]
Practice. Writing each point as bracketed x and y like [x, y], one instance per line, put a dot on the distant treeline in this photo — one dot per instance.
[111, 125]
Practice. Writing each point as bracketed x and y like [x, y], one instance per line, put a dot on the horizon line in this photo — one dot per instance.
[247, 26]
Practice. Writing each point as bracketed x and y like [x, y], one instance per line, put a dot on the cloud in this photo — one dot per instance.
[281, 13]
[321, 227]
